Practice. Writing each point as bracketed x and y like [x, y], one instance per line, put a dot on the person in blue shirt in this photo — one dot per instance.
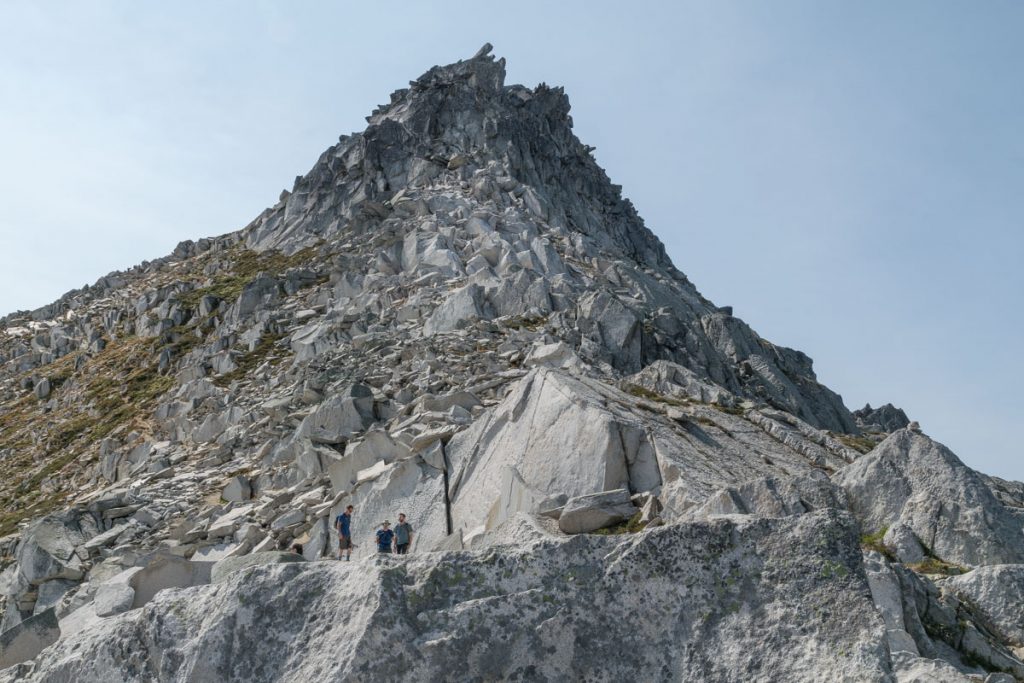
[343, 523]
[385, 536]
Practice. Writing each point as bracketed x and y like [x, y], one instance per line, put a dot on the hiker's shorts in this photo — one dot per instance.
[402, 548]
[345, 542]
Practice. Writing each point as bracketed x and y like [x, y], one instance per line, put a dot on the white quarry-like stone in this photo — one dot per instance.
[998, 592]
[112, 598]
[583, 514]
[568, 610]
[912, 480]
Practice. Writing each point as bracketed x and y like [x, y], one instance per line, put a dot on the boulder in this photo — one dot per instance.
[223, 569]
[340, 416]
[560, 436]
[113, 597]
[583, 514]
[229, 522]
[47, 549]
[375, 446]
[237, 489]
[51, 593]
[287, 519]
[904, 544]
[27, 639]
[553, 355]
[319, 537]
[167, 572]
[460, 308]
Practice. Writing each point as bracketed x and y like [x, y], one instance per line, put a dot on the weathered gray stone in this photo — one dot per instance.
[903, 543]
[167, 572]
[913, 480]
[113, 598]
[319, 537]
[997, 591]
[26, 640]
[51, 593]
[340, 416]
[887, 418]
[287, 519]
[47, 549]
[568, 609]
[583, 514]
[237, 489]
[223, 570]
[774, 497]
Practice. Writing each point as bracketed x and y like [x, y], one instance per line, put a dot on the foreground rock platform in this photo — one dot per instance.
[762, 599]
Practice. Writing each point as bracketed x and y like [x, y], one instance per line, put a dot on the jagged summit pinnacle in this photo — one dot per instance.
[484, 51]
[462, 116]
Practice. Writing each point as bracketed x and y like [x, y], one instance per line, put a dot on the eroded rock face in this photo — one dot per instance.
[27, 639]
[915, 481]
[715, 596]
[773, 497]
[929, 629]
[998, 594]
[887, 418]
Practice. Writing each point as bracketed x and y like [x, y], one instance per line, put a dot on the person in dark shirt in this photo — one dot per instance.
[384, 537]
[343, 523]
[403, 535]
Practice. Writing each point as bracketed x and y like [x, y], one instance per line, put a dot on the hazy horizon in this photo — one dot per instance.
[847, 177]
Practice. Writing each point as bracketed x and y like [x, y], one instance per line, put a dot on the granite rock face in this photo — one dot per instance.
[997, 592]
[911, 480]
[692, 602]
[457, 316]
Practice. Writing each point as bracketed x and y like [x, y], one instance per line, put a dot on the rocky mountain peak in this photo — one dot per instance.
[456, 315]
[462, 118]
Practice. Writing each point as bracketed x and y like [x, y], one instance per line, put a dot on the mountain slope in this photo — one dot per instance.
[456, 315]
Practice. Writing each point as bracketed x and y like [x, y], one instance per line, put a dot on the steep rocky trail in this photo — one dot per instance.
[456, 315]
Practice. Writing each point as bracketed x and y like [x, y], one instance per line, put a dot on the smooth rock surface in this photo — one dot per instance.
[28, 639]
[583, 514]
[915, 481]
[223, 569]
[998, 592]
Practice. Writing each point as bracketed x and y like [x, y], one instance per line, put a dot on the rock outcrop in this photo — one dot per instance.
[887, 418]
[692, 602]
[911, 480]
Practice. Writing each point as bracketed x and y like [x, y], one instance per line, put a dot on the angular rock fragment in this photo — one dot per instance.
[583, 514]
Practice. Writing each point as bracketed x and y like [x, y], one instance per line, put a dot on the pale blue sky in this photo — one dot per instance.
[847, 175]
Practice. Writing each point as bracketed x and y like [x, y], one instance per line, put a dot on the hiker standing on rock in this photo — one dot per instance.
[343, 523]
[384, 537]
[403, 535]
